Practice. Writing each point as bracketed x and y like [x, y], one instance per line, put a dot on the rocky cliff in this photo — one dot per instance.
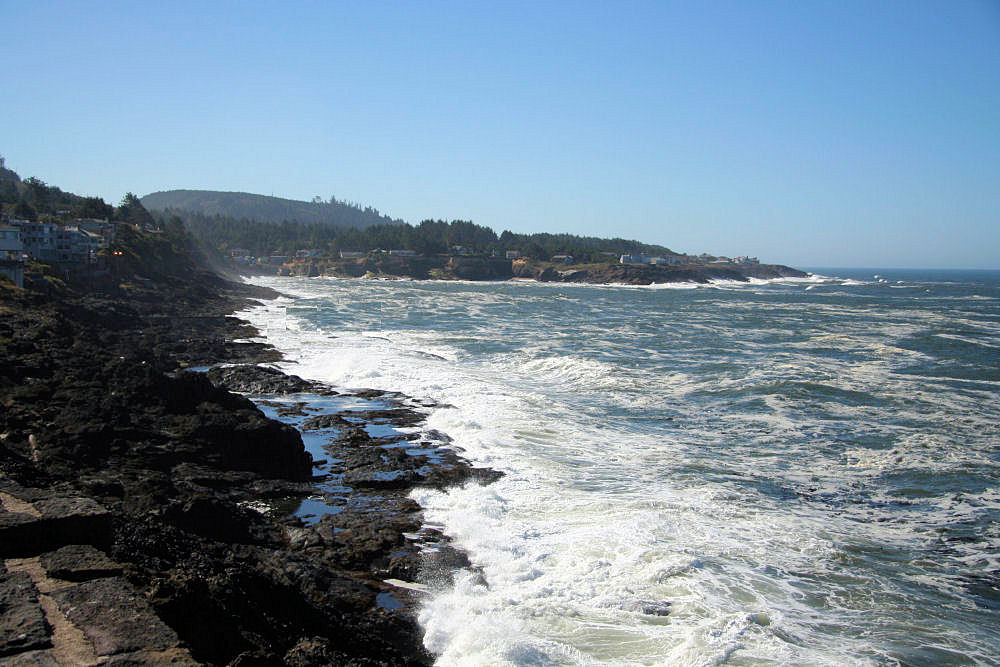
[127, 534]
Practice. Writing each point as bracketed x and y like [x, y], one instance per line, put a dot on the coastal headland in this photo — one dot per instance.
[445, 267]
[147, 510]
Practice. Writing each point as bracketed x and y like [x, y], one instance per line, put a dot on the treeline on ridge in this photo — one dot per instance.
[263, 208]
[34, 199]
[428, 238]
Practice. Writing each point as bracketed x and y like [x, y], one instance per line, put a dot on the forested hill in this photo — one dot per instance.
[261, 208]
[427, 238]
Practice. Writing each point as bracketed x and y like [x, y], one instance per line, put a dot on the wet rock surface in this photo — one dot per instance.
[145, 509]
[252, 379]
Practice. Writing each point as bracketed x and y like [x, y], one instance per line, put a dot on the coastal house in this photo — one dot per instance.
[513, 254]
[306, 253]
[403, 253]
[74, 246]
[12, 254]
[238, 252]
[53, 243]
[562, 259]
[38, 239]
[352, 254]
[94, 242]
[746, 260]
[459, 250]
[104, 228]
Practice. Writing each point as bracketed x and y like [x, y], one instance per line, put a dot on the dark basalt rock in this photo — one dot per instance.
[32, 659]
[262, 380]
[113, 617]
[22, 622]
[320, 422]
[360, 539]
[51, 522]
[394, 416]
[79, 562]
[132, 483]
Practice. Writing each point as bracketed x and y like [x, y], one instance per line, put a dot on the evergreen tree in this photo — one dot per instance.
[132, 211]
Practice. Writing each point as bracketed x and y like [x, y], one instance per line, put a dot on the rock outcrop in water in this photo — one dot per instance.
[130, 490]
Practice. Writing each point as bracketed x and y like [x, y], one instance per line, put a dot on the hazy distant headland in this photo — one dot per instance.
[270, 235]
[262, 208]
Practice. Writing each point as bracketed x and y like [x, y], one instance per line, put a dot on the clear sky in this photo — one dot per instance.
[833, 133]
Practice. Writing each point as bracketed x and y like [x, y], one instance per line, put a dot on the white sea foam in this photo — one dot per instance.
[752, 509]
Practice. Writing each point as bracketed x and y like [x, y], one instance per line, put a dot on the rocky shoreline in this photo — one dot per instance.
[153, 515]
[495, 269]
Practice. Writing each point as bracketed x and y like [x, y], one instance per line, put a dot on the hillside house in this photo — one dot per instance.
[103, 228]
[403, 253]
[94, 242]
[51, 243]
[38, 239]
[513, 254]
[562, 259]
[12, 254]
[74, 246]
[352, 254]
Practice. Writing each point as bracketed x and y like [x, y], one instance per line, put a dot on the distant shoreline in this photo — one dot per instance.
[489, 269]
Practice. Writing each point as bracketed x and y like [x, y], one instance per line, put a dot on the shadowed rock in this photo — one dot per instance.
[55, 521]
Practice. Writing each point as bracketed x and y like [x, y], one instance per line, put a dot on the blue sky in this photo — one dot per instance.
[807, 133]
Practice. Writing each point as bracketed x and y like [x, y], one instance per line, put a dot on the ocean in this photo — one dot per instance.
[787, 472]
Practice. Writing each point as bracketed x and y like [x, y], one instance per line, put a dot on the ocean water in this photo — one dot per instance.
[790, 472]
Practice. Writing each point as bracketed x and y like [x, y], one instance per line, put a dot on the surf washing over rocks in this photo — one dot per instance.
[802, 471]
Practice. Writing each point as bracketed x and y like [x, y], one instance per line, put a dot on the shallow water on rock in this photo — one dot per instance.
[799, 471]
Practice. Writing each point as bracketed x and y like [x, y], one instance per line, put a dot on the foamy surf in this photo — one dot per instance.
[693, 476]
